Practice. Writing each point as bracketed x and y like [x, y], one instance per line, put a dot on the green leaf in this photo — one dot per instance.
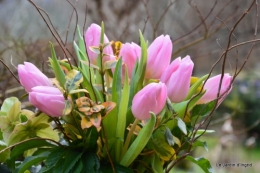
[51, 161]
[182, 125]
[34, 127]
[94, 49]
[119, 169]
[30, 144]
[92, 89]
[201, 131]
[121, 116]
[68, 107]
[23, 118]
[163, 149]
[78, 167]
[90, 162]
[181, 107]
[82, 46]
[203, 109]
[110, 64]
[71, 158]
[30, 161]
[8, 103]
[73, 80]
[139, 143]
[157, 164]
[199, 143]
[194, 87]
[116, 96]
[59, 74]
[117, 82]
[4, 155]
[169, 137]
[140, 73]
[203, 163]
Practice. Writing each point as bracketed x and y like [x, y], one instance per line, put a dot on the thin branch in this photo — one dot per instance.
[10, 70]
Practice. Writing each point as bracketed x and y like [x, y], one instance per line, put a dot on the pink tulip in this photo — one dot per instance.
[92, 38]
[30, 76]
[151, 98]
[177, 78]
[212, 85]
[159, 56]
[130, 53]
[48, 100]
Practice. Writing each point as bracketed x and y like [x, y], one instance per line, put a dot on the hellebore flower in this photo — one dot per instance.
[48, 100]
[151, 98]
[177, 78]
[130, 53]
[212, 85]
[30, 76]
[159, 56]
[92, 38]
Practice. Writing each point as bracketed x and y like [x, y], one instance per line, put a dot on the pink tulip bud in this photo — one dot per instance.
[130, 53]
[177, 78]
[48, 100]
[212, 85]
[30, 76]
[159, 56]
[92, 38]
[151, 98]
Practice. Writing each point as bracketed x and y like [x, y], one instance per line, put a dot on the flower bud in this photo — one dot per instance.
[151, 98]
[212, 85]
[177, 78]
[30, 76]
[48, 100]
[130, 53]
[92, 38]
[159, 56]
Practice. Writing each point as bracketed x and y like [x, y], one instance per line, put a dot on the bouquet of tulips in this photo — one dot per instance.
[117, 108]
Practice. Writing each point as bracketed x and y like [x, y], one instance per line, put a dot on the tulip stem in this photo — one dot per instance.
[129, 136]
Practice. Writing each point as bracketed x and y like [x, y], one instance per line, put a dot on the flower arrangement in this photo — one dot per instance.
[119, 108]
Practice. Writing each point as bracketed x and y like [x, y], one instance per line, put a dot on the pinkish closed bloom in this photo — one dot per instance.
[159, 56]
[130, 53]
[212, 85]
[30, 76]
[92, 38]
[151, 98]
[177, 78]
[48, 100]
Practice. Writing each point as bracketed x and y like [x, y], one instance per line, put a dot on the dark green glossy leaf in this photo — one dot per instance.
[90, 162]
[30, 161]
[203, 163]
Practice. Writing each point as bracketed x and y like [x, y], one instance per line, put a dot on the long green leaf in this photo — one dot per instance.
[30, 161]
[19, 149]
[121, 116]
[117, 82]
[56, 67]
[194, 87]
[139, 143]
[92, 90]
[142, 67]
[71, 159]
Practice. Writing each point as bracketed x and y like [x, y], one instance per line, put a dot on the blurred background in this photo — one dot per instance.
[199, 28]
